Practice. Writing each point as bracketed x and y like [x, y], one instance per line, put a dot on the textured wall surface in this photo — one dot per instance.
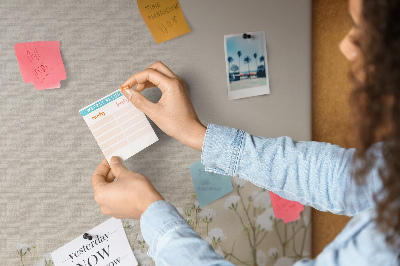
[331, 89]
[48, 153]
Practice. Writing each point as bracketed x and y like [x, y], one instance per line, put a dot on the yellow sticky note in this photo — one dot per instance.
[164, 18]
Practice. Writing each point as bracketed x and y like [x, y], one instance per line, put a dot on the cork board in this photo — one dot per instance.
[331, 88]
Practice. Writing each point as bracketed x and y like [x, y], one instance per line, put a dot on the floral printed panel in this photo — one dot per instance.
[241, 227]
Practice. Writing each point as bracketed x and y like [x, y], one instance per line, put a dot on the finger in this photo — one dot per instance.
[160, 67]
[159, 80]
[100, 174]
[117, 167]
[110, 177]
[140, 102]
[142, 86]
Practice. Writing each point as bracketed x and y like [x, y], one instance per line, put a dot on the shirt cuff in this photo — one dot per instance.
[158, 219]
[222, 148]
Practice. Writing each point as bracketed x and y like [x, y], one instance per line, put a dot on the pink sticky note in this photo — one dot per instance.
[41, 63]
[284, 209]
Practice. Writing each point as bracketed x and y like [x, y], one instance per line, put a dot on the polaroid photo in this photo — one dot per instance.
[246, 65]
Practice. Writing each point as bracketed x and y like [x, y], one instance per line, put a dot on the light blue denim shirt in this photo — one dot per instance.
[312, 173]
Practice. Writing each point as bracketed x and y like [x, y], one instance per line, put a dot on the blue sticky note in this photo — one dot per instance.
[209, 186]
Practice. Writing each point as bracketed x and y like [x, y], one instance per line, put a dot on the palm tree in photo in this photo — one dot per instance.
[247, 60]
[239, 54]
[230, 60]
[255, 61]
[262, 59]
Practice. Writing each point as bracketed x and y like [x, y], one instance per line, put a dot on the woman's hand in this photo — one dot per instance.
[127, 197]
[174, 112]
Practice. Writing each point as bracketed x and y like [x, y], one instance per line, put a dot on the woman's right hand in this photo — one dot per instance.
[174, 112]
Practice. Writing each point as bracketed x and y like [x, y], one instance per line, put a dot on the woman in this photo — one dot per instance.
[360, 182]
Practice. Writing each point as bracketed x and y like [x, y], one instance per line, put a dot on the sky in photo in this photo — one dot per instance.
[248, 47]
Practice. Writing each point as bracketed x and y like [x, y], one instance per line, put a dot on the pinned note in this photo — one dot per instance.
[118, 126]
[41, 63]
[164, 18]
[284, 209]
[107, 246]
[209, 186]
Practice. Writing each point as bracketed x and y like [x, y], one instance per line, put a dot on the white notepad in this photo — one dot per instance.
[118, 126]
[108, 246]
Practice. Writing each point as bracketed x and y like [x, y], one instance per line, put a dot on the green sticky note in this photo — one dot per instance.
[209, 186]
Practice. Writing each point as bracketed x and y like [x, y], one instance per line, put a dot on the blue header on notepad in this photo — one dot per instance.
[100, 103]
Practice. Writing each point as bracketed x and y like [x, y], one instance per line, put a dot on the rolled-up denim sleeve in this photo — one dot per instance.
[172, 241]
[313, 173]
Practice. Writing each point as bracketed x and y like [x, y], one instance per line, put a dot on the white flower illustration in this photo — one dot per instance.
[284, 261]
[264, 222]
[208, 215]
[239, 182]
[262, 199]
[215, 236]
[23, 249]
[180, 210]
[196, 205]
[273, 253]
[261, 258]
[270, 213]
[130, 224]
[142, 257]
[306, 220]
[140, 238]
[45, 260]
[219, 251]
[232, 202]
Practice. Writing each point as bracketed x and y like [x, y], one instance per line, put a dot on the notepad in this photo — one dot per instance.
[41, 63]
[164, 18]
[119, 128]
[108, 246]
[209, 186]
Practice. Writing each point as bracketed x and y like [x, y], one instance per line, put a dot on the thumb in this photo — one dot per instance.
[116, 166]
[139, 101]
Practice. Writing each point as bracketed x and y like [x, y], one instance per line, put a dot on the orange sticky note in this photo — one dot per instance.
[164, 18]
[284, 209]
[41, 63]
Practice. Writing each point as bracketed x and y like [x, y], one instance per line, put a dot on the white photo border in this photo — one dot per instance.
[248, 92]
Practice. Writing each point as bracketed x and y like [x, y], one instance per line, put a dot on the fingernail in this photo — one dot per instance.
[115, 160]
[125, 88]
[129, 93]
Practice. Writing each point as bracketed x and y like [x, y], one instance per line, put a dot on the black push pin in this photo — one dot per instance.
[246, 36]
[87, 236]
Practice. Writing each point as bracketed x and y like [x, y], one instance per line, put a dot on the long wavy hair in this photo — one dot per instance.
[375, 102]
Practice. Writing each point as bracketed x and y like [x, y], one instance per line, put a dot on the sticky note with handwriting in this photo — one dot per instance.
[118, 126]
[164, 18]
[209, 186]
[108, 246]
[284, 209]
[41, 63]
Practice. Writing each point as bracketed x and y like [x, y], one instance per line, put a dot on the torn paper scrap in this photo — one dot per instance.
[41, 63]
[209, 186]
[284, 209]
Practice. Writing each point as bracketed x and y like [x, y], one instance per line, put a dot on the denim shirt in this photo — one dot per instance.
[312, 173]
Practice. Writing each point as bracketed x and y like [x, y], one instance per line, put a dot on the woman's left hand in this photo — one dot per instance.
[127, 197]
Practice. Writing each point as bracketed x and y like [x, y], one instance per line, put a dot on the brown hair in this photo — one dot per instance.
[375, 102]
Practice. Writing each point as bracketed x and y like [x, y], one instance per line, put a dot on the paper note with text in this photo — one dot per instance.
[118, 126]
[164, 18]
[209, 186]
[108, 246]
[41, 63]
